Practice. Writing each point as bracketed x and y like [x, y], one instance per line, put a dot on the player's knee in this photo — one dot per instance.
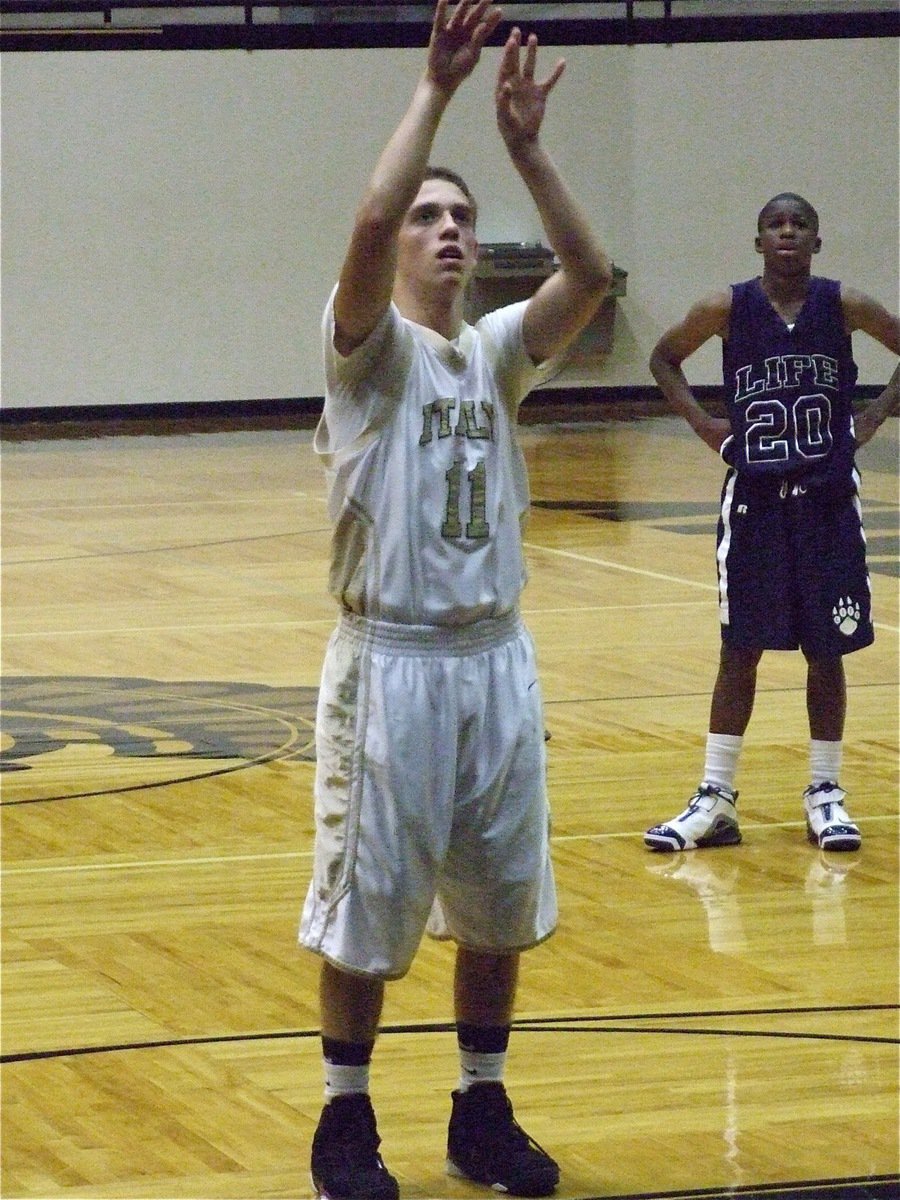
[739, 659]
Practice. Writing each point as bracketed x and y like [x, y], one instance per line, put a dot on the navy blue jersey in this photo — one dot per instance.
[789, 390]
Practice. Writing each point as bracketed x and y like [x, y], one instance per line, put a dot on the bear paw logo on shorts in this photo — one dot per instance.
[846, 616]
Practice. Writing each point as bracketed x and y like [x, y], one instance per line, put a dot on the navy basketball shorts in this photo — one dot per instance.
[431, 800]
[792, 567]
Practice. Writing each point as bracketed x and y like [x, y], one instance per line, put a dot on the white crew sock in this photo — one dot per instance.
[722, 753]
[825, 761]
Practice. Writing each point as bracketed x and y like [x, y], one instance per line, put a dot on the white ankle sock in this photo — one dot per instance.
[341, 1080]
[479, 1068]
[825, 761]
[722, 753]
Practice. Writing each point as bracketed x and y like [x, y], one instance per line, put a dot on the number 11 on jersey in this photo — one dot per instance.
[476, 526]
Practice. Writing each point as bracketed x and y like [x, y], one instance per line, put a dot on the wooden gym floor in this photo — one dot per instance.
[717, 1024]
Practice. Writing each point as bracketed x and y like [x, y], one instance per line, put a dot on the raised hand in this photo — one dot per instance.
[521, 99]
[457, 39]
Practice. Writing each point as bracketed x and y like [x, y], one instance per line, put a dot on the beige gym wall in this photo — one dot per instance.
[173, 221]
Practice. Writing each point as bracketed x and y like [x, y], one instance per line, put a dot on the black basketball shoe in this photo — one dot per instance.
[486, 1144]
[346, 1164]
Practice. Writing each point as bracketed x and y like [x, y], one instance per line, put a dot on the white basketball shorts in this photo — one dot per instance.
[430, 783]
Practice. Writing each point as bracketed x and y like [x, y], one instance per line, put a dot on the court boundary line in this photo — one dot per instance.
[611, 1023]
[873, 1188]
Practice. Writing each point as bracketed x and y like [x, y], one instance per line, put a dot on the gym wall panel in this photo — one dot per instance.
[173, 222]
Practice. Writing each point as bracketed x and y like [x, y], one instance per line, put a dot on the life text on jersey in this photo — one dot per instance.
[787, 371]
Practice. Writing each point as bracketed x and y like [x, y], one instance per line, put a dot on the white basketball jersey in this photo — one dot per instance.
[427, 484]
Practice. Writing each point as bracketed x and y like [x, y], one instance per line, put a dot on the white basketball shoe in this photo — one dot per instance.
[710, 819]
[828, 824]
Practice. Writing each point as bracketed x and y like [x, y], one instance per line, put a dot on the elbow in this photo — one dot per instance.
[378, 215]
[373, 225]
[588, 269]
[600, 277]
[661, 365]
[592, 283]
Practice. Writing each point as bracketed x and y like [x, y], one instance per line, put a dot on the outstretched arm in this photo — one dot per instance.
[565, 302]
[704, 320]
[367, 276]
[865, 313]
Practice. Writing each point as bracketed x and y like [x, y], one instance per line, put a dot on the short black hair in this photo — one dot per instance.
[445, 173]
[800, 201]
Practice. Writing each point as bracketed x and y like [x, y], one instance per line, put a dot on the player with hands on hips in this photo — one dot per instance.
[430, 792]
[791, 552]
